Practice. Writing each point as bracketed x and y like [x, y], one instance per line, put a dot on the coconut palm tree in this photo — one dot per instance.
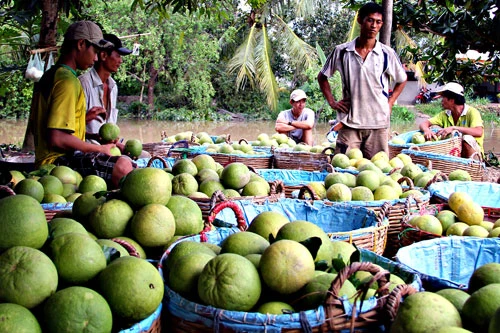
[267, 28]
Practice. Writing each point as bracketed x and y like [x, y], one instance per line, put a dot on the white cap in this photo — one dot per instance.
[452, 87]
[298, 95]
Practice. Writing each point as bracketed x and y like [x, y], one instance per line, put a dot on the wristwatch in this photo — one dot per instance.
[290, 123]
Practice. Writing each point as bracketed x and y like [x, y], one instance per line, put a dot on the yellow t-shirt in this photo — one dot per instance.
[58, 103]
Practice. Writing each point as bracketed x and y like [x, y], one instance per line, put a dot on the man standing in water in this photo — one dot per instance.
[298, 121]
[367, 68]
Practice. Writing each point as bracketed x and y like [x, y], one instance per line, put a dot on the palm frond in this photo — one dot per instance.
[243, 60]
[321, 54]
[302, 53]
[265, 75]
[305, 8]
[355, 29]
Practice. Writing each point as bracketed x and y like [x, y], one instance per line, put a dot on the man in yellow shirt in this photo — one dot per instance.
[457, 116]
[58, 111]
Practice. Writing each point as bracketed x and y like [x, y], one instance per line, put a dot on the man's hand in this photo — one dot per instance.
[342, 106]
[95, 112]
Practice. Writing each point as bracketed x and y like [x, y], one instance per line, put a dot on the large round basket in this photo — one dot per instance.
[371, 315]
[262, 160]
[451, 146]
[285, 158]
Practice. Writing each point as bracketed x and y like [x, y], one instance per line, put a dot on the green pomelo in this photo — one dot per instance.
[51, 184]
[487, 225]
[394, 184]
[350, 180]
[470, 212]
[342, 250]
[275, 307]
[184, 184]
[16, 318]
[244, 243]
[235, 175]
[301, 230]
[27, 276]
[133, 148]
[109, 132]
[205, 174]
[396, 163]
[414, 193]
[65, 174]
[396, 176]
[68, 189]
[132, 242]
[340, 161]
[77, 309]
[368, 178]
[230, 193]
[115, 151]
[447, 218]
[92, 183]
[315, 291]
[460, 175]
[183, 277]
[411, 170]
[226, 148]
[78, 257]
[23, 222]
[63, 225]
[73, 197]
[418, 138]
[184, 248]
[84, 205]
[286, 266]
[354, 153]
[112, 244]
[405, 158]
[423, 179]
[204, 161]
[425, 312]
[209, 186]
[339, 192]
[132, 286]
[143, 186]
[254, 258]
[383, 165]
[380, 156]
[456, 199]
[361, 193]
[319, 189]
[385, 192]
[495, 232]
[198, 195]
[457, 297]
[255, 188]
[153, 225]
[476, 231]
[431, 224]
[230, 281]
[30, 187]
[184, 166]
[483, 276]
[187, 215]
[267, 223]
[110, 219]
[456, 229]
[53, 198]
[494, 326]
[334, 178]
[496, 224]
[480, 307]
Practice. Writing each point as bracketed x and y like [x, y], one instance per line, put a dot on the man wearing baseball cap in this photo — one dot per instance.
[457, 116]
[57, 117]
[100, 88]
[298, 121]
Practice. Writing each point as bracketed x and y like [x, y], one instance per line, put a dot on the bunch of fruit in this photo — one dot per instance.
[463, 218]
[454, 310]
[272, 267]
[110, 133]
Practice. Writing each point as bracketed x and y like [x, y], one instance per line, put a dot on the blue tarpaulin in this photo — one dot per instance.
[484, 193]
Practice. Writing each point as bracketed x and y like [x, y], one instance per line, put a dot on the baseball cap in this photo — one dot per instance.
[298, 95]
[87, 30]
[452, 87]
[117, 44]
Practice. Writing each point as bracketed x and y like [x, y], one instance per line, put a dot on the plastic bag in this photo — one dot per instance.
[50, 61]
[34, 71]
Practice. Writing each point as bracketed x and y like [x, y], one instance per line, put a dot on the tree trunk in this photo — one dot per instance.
[153, 75]
[385, 32]
[48, 28]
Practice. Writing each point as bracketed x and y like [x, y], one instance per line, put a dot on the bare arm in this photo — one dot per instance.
[65, 141]
[398, 89]
[324, 85]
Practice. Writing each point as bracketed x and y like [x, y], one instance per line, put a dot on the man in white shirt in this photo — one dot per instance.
[298, 121]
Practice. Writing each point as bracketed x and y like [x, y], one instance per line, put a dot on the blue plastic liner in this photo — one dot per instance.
[449, 262]
[484, 193]
[145, 324]
[239, 321]
[58, 206]
[143, 162]
[292, 177]
[406, 137]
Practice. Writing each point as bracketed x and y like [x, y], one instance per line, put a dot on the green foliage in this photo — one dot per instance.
[15, 95]
[401, 114]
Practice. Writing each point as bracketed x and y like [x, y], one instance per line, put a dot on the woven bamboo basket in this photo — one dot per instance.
[451, 146]
[410, 234]
[473, 165]
[151, 324]
[264, 161]
[299, 160]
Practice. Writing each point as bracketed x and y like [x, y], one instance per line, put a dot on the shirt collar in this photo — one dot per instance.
[351, 46]
[464, 111]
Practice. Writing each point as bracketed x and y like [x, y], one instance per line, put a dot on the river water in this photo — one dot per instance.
[12, 131]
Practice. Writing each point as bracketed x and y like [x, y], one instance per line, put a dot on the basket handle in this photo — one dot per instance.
[384, 212]
[327, 167]
[331, 149]
[6, 191]
[163, 135]
[455, 133]
[129, 247]
[309, 189]
[178, 144]
[476, 157]
[277, 187]
[408, 180]
[394, 300]
[414, 147]
[242, 224]
[243, 140]
[152, 159]
[394, 133]
[440, 176]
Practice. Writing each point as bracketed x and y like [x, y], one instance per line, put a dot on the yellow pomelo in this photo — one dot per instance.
[383, 165]
[110, 219]
[78, 257]
[51, 184]
[405, 158]
[145, 186]
[115, 151]
[394, 184]
[430, 224]
[456, 229]
[109, 132]
[17, 176]
[457, 297]
[65, 174]
[460, 175]
[480, 307]
[341, 161]
[342, 250]
[286, 266]
[30, 187]
[385, 192]
[411, 170]
[447, 218]
[230, 193]
[204, 161]
[470, 212]
[476, 231]
[396, 162]
[244, 243]
[267, 223]
[496, 224]
[62, 225]
[425, 312]
[23, 222]
[483, 276]
[183, 277]
[354, 153]
[319, 189]
[362, 193]
[495, 232]
[217, 281]
[16, 318]
[339, 192]
[27, 276]
[254, 258]
[77, 309]
[368, 178]
[133, 148]
[457, 198]
[275, 307]
[350, 180]
[415, 193]
[381, 155]
[153, 225]
[201, 195]
[187, 215]
[92, 183]
[487, 225]
[423, 179]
